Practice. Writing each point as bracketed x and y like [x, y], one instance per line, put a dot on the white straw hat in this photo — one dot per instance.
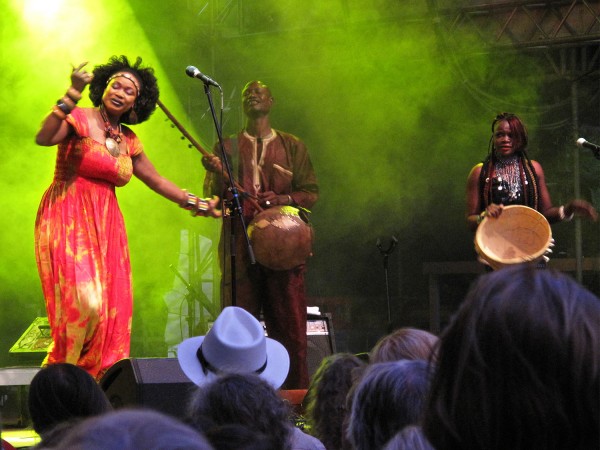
[236, 343]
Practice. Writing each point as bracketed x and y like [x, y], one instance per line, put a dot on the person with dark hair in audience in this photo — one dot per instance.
[132, 429]
[326, 398]
[61, 394]
[409, 438]
[519, 366]
[404, 343]
[250, 401]
[389, 397]
[237, 437]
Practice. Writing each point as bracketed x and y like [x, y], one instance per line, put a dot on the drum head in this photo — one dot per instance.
[520, 234]
[281, 240]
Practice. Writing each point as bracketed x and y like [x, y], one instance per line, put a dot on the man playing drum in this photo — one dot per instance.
[274, 170]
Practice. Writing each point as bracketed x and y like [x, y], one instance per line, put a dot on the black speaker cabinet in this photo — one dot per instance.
[157, 383]
[321, 341]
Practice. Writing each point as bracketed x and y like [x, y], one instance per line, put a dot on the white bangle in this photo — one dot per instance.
[562, 216]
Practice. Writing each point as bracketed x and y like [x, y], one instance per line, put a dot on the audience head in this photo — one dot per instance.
[63, 392]
[131, 429]
[326, 397]
[238, 437]
[519, 366]
[409, 438]
[236, 343]
[389, 397]
[241, 399]
[404, 343]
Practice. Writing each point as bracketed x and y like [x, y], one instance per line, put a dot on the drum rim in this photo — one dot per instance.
[507, 261]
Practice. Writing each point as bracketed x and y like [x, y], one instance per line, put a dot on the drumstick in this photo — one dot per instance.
[196, 144]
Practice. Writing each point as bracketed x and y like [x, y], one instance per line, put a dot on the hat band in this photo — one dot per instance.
[206, 366]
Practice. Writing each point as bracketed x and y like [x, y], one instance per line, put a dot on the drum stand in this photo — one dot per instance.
[236, 207]
[386, 254]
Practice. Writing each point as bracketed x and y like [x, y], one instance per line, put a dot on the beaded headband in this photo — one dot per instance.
[129, 76]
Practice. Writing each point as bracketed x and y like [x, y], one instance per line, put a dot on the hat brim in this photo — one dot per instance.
[276, 370]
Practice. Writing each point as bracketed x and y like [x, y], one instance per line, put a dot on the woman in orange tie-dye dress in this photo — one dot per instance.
[81, 244]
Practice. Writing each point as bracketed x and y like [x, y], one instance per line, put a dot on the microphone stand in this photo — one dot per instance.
[236, 208]
[386, 254]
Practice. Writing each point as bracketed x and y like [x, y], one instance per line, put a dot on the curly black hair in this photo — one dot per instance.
[145, 103]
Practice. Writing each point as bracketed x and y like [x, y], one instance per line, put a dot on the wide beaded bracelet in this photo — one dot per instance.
[195, 204]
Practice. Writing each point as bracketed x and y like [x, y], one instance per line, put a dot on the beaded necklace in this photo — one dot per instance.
[508, 176]
[112, 139]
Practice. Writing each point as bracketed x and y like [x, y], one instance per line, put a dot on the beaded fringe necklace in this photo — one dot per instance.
[508, 174]
[112, 139]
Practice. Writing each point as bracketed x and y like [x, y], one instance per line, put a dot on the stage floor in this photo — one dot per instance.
[21, 438]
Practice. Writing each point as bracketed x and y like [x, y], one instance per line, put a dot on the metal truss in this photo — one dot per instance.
[565, 33]
[526, 23]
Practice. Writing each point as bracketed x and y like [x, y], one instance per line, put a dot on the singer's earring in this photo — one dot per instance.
[133, 118]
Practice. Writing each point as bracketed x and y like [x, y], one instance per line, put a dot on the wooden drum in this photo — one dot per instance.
[280, 238]
[520, 234]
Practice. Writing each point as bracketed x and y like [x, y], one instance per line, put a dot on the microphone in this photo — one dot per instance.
[195, 73]
[581, 142]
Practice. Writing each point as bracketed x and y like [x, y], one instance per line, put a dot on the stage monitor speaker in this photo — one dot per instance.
[157, 383]
[31, 347]
[321, 340]
[14, 390]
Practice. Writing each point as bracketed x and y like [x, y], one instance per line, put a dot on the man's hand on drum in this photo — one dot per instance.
[270, 198]
[212, 163]
[581, 208]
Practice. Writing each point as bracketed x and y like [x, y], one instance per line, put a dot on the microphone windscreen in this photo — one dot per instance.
[191, 71]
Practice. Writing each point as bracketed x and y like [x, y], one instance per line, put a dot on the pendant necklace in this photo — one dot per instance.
[112, 139]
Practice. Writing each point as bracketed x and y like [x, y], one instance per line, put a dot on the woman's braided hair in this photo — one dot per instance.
[529, 179]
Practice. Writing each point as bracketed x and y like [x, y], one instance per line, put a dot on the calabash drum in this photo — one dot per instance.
[519, 234]
[280, 238]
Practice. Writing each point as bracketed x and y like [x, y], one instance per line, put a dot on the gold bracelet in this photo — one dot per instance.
[58, 112]
[73, 94]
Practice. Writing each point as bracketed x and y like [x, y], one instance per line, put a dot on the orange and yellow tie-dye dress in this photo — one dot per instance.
[82, 252]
